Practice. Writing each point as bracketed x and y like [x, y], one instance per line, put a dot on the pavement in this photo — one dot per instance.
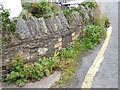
[45, 82]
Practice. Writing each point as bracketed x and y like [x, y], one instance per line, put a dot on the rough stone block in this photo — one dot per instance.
[32, 27]
[43, 25]
[58, 45]
[59, 48]
[21, 29]
[37, 24]
[73, 34]
[49, 25]
[42, 51]
[60, 39]
[75, 37]
[60, 27]
[63, 20]
[66, 40]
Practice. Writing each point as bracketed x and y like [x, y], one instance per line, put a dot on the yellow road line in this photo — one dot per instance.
[87, 83]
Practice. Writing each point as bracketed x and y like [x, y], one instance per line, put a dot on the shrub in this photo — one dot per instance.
[89, 4]
[39, 9]
[26, 5]
[68, 52]
[102, 21]
[93, 35]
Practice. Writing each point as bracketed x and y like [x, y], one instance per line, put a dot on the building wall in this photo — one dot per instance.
[14, 6]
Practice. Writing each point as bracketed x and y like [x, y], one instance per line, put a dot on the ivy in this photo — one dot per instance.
[7, 26]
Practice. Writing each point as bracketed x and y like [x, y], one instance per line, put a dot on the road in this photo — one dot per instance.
[107, 75]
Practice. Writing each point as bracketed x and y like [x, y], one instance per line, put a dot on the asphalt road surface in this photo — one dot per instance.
[107, 76]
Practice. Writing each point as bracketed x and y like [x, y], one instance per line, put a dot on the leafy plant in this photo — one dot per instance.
[76, 8]
[67, 12]
[102, 21]
[53, 8]
[7, 26]
[40, 9]
[22, 73]
[26, 5]
[107, 23]
[89, 4]
[67, 53]
[93, 35]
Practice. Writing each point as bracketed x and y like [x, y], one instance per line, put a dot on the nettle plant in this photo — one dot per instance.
[8, 26]
[93, 35]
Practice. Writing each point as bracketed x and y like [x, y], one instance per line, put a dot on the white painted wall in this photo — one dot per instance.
[76, 1]
[14, 6]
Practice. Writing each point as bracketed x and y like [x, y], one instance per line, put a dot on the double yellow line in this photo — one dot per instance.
[87, 83]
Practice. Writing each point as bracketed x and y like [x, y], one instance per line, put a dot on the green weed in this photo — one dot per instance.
[89, 4]
[7, 26]
[22, 73]
[40, 9]
[102, 21]
[93, 35]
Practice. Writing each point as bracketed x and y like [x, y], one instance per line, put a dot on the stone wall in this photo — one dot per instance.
[38, 37]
